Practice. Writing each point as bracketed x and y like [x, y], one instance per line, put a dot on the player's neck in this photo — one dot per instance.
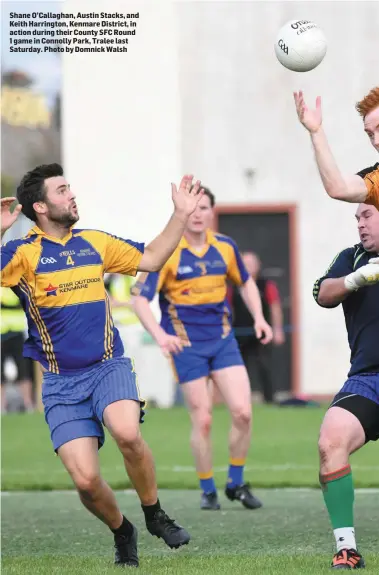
[54, 230]
[196, 240]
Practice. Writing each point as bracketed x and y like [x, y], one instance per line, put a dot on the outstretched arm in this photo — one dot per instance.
[337, 186]
[163, 246]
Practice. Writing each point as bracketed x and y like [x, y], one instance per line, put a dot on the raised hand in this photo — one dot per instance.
[187, 197]
[7, 217]
[311, 119]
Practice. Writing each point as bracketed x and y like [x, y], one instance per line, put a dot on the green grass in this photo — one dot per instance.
[283, 453]
[50, 533]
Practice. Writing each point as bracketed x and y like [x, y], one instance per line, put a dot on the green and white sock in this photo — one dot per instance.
[338, 491]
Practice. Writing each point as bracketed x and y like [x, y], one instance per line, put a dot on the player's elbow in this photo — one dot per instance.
[338, 191]
[326, 298]
[150, 262]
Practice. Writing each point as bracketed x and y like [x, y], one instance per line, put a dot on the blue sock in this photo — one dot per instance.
[235, 474]
[207, 484]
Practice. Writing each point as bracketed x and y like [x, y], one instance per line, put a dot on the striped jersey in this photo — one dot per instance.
[192, 288]
[61, 287]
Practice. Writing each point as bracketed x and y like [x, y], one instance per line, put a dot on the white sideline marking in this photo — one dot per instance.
[191, 469]
[359, 491]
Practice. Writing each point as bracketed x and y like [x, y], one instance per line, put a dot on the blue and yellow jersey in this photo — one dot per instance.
[61, 287]
[192, 288]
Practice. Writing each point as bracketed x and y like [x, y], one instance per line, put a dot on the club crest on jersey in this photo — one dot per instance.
[51, 290]
[202, 266]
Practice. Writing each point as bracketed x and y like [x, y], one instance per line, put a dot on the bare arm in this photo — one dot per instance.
[252, 299]
[142, 308]
[163, 246]
[332, 292]
[348, 189]
[167, 343]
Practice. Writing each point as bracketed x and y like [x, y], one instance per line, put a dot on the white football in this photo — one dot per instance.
[300, 45]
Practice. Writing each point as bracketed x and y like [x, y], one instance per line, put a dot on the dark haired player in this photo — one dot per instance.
[57, 271]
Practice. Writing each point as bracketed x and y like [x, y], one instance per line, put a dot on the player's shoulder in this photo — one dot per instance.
[102, 238]
[352, 253]
[368, 171]
[222, 238]
[88, 231]
[19, 243]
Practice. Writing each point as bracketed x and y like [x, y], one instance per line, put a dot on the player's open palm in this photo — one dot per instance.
[187, 196]
[7, 217]
[169, 344]
[311, 119]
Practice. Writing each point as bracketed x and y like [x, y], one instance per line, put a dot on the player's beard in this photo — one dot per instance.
[65, 219]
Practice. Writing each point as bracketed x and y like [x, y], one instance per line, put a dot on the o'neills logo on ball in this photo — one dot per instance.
[295, 25]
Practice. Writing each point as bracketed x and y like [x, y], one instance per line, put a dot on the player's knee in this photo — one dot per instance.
[129, 440]
[330, 442]
[87, 483]
[203, 422]
[242, 416]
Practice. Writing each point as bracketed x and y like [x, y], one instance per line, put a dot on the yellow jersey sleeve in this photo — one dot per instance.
[13, 262]
[118, 255]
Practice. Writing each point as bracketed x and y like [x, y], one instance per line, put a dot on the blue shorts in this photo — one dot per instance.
[74, 404]
[201, 358]
[364, 384]
[360, 396]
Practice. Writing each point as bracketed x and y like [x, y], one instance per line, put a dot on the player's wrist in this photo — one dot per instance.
[316, 133]
[350, 282]
[181, 215]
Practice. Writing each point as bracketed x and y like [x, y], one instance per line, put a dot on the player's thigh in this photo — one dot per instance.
[196, 394]
[117, 402]
[234, 385]
[80, 458]
[359, 397]
[340, 430]
[230, 376]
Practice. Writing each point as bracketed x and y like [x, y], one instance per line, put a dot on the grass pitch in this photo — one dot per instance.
[49, 532]
[283, 451]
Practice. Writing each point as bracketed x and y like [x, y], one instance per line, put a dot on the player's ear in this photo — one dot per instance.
[40, 208]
